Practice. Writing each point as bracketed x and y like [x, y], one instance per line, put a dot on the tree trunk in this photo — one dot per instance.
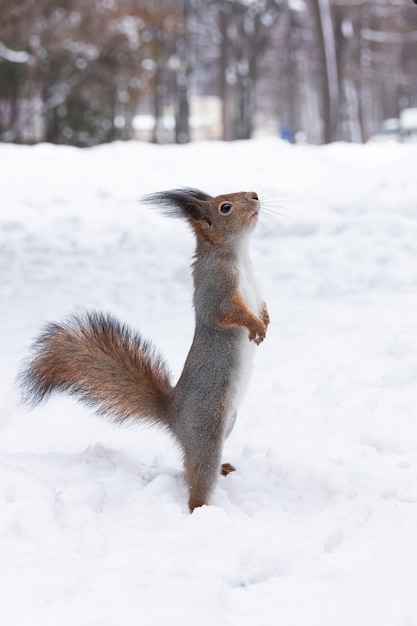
[330, 81]
[182, 128]
[225, 88]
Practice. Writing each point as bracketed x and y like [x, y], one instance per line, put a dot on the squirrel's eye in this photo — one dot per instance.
[226, 207]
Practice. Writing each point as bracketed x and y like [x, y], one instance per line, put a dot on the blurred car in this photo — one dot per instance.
[388, 133]
[398, 130]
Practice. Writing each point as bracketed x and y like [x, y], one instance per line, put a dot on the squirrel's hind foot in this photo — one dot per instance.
[226, 469]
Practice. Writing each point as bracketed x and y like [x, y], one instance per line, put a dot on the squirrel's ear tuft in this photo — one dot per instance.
[197, 212]
[180, 202]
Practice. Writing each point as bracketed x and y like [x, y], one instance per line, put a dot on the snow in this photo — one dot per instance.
[318, 525]
[14, 56]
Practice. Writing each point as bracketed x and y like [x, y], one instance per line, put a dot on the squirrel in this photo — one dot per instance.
[99, 360]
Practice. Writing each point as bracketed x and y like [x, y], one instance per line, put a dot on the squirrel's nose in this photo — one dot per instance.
[253, 195]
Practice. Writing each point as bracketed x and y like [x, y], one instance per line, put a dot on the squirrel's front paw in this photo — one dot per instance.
[258, 335]
[264, 315]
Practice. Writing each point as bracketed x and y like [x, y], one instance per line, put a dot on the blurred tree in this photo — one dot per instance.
[245, 33]
[182, 76]
[377, 63]
[84, 72]
[329, 81]
[76, 72]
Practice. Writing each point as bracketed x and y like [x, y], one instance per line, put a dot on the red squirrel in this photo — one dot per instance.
[116, 371]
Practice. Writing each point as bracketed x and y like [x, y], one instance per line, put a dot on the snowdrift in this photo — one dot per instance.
[318, 525]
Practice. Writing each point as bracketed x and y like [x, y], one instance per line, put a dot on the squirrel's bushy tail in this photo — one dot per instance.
[103, 363]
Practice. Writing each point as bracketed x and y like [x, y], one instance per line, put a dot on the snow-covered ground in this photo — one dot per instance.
[318, 527]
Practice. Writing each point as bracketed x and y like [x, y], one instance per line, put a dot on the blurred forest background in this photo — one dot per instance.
[85, 72]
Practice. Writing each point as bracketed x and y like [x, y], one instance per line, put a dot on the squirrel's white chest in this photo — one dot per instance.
[249, 291]
[247, 285]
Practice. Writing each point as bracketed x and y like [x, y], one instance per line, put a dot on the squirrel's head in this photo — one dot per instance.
[217, 219]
